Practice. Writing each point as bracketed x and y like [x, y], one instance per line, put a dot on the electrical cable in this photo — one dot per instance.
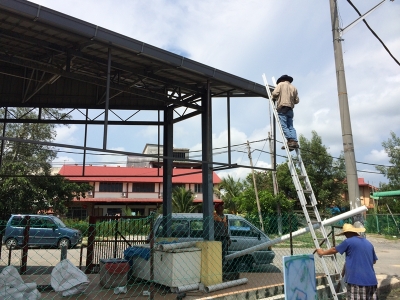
[373, 32]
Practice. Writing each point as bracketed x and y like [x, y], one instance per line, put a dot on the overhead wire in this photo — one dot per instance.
[374, 33]
[241, 148]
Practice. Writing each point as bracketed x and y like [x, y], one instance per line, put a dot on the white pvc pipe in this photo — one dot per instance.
[185, 288]
[165, 247]
[225, 285]
[332, 220]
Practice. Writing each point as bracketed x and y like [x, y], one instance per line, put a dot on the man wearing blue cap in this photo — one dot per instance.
[286, 96]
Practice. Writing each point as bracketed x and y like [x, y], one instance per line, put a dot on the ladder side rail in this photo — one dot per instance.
[322, 228]
[303, 201]
[313, 200]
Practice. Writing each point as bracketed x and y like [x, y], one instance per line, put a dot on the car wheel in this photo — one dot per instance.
[244, 264]
[64, 242]
[271, 269]
[11, 243]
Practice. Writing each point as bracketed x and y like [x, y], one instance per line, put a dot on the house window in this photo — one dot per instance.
[110, 187]
[198, 188]
[78, 213]
[179, 154]
[143, 187]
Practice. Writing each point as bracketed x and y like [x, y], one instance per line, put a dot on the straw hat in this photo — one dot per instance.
[351, 228]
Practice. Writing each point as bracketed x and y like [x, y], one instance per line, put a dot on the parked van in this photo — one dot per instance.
[189, 227]
[45, 230]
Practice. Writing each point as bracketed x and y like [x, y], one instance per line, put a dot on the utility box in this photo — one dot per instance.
[177, 267]
[173, 268]
[113, 272]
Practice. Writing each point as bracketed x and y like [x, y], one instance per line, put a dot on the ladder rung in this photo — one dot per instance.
[328, 256]
[302, 176]
[341, 293]
[307, 191]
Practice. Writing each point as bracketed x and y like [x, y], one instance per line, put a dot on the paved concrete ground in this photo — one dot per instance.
[387, 269]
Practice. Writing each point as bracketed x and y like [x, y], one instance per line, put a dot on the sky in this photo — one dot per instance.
[247, 39]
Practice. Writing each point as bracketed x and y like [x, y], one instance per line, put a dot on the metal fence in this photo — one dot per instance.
[115, 254]
[108, 237]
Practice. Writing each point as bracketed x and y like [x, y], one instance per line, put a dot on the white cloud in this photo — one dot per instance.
[237, 174]
[66, 134]
[377, 156]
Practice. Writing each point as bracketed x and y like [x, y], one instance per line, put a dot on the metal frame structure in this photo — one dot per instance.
[52, 60]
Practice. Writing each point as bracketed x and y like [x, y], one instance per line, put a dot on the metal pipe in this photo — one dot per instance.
[225, 285]
[185, 288]
[330, 221]
[378, 195]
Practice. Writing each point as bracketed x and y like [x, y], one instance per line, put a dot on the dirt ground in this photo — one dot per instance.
[394, 294]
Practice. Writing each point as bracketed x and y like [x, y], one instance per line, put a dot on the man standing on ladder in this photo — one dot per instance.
[286, 95]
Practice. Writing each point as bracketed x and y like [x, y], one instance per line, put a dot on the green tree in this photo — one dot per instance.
[229, 191]
[182, 200]
[327, 175]
[26, 183]
[392, 173]
[268, 201]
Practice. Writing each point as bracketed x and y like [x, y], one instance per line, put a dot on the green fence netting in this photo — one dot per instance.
[120, 257]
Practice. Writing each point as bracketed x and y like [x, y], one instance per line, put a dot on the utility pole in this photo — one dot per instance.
[255, 187]
[347, 136]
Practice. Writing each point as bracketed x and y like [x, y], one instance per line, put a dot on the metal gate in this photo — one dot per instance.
[109, 236]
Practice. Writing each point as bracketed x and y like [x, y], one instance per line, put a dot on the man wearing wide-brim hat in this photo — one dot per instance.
[360, 259]
[287, 97]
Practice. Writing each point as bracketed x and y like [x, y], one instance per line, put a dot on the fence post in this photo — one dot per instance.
[116, 236]
[63, 252]
[290, 234]
[90, 246]
[24, 259]
[151, 219]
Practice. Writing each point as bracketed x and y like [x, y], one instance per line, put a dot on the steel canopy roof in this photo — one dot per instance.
[49, 59]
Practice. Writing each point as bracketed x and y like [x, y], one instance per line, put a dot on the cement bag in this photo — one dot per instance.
[68, 279]
[13, 287]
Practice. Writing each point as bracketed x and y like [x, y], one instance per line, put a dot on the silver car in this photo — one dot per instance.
[189, 227]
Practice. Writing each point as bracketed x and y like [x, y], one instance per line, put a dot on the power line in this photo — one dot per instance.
[373, 32]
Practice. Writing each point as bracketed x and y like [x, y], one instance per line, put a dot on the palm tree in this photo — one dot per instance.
[228, 190]
[182, 200]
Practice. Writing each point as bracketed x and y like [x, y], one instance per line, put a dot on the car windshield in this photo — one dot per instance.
[59, 222]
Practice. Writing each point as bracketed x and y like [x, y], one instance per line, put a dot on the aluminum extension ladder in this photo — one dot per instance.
[308, 202]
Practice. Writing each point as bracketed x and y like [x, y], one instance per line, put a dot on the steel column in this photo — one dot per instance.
[206, 136]
[168, 167]
[107, 99]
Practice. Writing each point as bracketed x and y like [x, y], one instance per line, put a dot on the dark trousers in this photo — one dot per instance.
[224, 240]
